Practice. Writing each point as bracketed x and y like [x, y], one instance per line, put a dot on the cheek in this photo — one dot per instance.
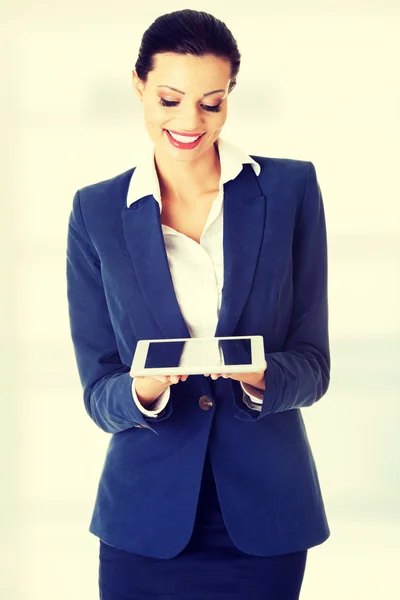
[154, 115]
[219, 121]
[221, 116]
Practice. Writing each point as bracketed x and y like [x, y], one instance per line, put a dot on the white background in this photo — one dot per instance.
[319, 81]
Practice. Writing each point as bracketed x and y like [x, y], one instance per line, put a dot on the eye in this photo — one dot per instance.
[215, 108]
[167, 102]
[207, 107]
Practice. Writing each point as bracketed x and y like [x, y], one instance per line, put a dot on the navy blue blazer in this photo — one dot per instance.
[275, 285]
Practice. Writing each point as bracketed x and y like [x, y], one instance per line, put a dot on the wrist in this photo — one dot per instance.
[258, 381]
[148, 391]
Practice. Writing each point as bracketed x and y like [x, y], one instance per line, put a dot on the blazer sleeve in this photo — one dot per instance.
[299, 375]
[106, 381]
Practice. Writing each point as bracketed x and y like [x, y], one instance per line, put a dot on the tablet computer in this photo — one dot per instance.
[197, 356]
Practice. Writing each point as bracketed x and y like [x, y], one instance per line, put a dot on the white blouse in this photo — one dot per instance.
[197, 270]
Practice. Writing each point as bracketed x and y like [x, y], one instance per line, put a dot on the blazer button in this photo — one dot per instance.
[205, 403]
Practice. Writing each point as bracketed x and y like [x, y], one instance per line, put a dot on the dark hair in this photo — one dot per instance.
[188, 32]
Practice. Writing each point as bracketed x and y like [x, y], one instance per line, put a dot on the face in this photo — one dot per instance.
[196, 105]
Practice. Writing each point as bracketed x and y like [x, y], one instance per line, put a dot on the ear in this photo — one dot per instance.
[232, 85]
[138, 85]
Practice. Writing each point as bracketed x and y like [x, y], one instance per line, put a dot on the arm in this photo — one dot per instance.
[106, 381]
[299, 375]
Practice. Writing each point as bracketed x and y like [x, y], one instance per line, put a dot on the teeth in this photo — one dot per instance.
[183, 138]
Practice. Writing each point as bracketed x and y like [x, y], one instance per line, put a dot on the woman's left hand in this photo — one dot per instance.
[256, 378]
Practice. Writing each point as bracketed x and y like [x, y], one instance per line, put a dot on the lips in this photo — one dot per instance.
[183, 145]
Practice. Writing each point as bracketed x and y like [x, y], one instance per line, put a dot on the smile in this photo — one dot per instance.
[184, 142]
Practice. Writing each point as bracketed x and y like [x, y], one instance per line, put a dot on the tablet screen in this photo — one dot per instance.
[195, 352]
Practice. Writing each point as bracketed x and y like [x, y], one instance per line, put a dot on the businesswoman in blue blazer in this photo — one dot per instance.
[209, 489]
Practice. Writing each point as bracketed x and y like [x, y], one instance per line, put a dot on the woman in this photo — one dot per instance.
[209, 488]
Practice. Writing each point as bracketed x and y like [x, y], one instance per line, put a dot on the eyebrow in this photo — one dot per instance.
[179, 91]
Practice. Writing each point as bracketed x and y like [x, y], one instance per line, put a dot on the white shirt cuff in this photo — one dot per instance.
[252, 397]
[158, 405]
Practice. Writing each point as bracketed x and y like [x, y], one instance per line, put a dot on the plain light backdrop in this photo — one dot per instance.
[318, 81]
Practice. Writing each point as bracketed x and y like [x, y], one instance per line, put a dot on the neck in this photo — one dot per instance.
[188, 180]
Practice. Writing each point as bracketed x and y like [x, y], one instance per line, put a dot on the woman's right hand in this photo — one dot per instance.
[149, 388]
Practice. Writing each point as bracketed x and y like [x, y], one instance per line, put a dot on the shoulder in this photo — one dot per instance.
[287, 172]
[276, 166]
[111, 183]
[107, 192]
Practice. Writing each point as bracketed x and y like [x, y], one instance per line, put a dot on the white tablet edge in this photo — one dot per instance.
[257, 352]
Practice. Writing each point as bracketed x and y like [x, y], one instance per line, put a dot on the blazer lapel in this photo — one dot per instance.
[145, 242]
[244, 220]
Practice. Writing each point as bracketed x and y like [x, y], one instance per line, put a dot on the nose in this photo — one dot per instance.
[190, 119]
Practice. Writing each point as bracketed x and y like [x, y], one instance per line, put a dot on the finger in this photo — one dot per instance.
[162, 378]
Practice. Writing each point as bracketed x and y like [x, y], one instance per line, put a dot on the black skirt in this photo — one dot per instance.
[210, 567]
